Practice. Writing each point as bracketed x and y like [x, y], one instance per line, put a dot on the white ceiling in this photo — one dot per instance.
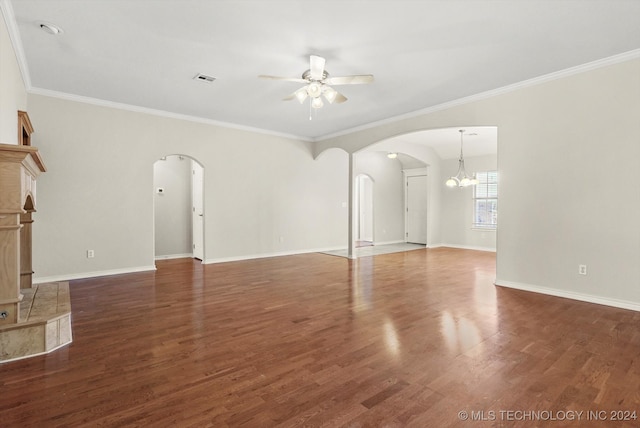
[145, 53]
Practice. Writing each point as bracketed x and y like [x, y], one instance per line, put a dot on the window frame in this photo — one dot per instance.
[491, 196]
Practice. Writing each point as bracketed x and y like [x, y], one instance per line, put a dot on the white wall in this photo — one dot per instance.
[13, 96]
[568, 151]
[264, 194]
[457, 207]
[172, 207]
[388, 194]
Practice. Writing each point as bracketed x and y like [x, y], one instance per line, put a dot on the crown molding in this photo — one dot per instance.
[162, 113]
[16, 41]
[14, 35]
[604, 62]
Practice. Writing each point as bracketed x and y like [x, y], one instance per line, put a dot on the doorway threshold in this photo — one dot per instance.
[376, 250]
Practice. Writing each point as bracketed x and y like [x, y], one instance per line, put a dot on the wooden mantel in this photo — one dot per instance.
[20, 165]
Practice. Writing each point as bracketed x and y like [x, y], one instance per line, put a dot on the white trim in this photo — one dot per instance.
[590, 298]
[161, 113]
[174, 256]
[85, 275]
[37, 354]
[466, 247]
[16, 41]
[604, 62]
[413, 172]
[266, 255]
[376, 243]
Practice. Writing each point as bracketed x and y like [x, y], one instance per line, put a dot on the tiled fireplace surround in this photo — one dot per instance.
[33, 319]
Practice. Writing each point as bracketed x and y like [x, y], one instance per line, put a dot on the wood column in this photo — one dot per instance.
[20, 165]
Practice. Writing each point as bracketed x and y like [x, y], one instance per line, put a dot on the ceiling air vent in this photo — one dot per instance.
[204, 78]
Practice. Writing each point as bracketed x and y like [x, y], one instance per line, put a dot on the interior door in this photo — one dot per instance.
[417, 209]
[197, 196]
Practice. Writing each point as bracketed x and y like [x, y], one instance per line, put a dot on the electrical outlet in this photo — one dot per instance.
[582, 269]
[90, 254]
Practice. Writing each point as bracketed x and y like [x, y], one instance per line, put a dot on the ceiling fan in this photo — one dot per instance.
[317, 84]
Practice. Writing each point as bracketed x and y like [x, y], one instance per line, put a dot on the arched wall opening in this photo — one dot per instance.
[178, 186]
[427, 157]
[450, 212]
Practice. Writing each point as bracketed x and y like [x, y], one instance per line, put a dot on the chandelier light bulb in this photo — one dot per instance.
[452, 182]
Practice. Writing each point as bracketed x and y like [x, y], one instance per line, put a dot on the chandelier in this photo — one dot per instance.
[461, 179]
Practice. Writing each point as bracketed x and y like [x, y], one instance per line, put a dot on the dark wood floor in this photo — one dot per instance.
[405, 339]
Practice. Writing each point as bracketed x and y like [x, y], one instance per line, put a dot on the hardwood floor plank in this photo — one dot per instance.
[404, 339]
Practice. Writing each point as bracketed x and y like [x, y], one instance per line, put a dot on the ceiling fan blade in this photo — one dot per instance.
[332, 95]
[316, 66]
[340, 98]
[286, 79]
[350, 80]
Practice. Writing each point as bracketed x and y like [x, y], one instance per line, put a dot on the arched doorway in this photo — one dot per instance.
[178, 182]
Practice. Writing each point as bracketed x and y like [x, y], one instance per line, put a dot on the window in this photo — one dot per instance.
[485, 200]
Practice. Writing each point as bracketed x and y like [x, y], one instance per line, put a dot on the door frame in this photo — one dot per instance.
[194, 214]
[153, 212]
[359, 211]
[415, 172]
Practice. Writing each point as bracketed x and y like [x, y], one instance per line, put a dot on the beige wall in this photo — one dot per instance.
[457, 207]
[568, 153]
[264, 195]
[13, 96]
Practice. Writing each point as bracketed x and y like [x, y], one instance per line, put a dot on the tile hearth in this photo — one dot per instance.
[44, 325]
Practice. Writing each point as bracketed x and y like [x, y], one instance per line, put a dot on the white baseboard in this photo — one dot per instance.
[175, 256]
[463, 247]
[590, 298]
[266, 255]
[85, 275]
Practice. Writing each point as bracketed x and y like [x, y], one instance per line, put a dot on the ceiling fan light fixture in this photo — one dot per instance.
[301, 94]
[317, 103]
[330, 94]
[314, 89]
[316, 80]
